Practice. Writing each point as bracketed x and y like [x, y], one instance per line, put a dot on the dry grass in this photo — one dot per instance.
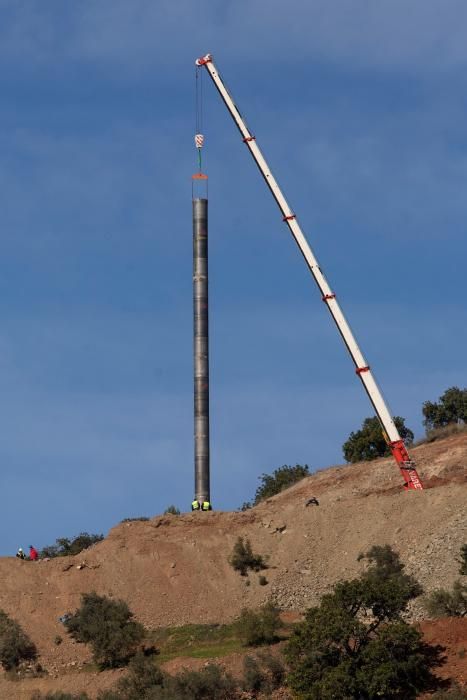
[442, 433]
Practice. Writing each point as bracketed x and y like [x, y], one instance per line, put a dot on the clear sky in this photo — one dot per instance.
[360, 108]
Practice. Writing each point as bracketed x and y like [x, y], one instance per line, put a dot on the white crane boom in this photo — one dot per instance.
[392, 436]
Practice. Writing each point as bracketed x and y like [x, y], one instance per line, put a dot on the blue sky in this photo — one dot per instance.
[360, 108]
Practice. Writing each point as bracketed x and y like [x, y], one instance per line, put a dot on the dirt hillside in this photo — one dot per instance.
[173, 570]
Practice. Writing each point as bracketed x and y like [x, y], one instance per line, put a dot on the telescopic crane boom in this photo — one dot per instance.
[394, 440]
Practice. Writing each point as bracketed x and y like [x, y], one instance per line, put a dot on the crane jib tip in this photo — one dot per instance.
[203, 60]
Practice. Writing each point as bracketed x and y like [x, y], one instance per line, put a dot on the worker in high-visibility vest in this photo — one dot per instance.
[206, 506]
[195, 505]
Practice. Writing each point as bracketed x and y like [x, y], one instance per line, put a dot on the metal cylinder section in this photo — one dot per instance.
[201, 348]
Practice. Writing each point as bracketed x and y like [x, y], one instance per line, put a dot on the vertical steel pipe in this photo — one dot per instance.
[201, 348]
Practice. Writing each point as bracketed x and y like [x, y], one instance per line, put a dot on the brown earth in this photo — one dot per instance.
[451, 634]
[174, 570]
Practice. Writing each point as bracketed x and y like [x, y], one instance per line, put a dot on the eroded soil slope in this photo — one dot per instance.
[174, 570]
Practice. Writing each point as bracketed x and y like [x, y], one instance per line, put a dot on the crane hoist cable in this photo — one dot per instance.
[199, 137]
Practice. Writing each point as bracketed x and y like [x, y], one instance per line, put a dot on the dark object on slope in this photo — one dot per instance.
[312, 502]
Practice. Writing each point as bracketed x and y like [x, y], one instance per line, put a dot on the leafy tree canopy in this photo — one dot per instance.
[65, 547]
[106, 625]
[451, 408]
[356, 644]
[369, 443]
[274, 483]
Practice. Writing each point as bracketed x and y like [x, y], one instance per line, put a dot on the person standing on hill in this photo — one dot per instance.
[33, 554]
[20, 554]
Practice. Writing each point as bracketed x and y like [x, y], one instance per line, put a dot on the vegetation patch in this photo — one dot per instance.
[140, 518]
[15, 645]
[242, 558]
[463, 561]
[256, 628]
[454, 693]
[444, 603]
[443, 433]
[262, 674]
[146, 682]
[355, 644]
[64, 547]
[108, 626]
[281, 479]
[450, 409]
[369, 442]
[195, 641]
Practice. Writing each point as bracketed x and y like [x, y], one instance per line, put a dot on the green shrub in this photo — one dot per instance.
[144, 679]
[172, 510]
[446, 431]
[242, 558]
[254, 680]
[281, 479]
[146, 682]
[274, 667]
[210, 683]
[355, 644]
[263, 673]
[463, 560]
[106, 625]
[451, 408]
[369, 443]
[443, 603]
[259, 627]
[15, 645]
[141, 518]
[65, 547]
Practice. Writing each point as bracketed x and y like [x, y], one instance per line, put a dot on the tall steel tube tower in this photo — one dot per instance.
[201, 348]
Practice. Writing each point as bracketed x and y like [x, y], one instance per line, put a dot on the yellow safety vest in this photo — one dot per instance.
[195, 505]
[206, 505]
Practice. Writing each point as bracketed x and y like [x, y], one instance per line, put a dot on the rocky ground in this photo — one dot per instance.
[174, 570]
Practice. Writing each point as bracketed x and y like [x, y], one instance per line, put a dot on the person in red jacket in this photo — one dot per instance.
[33, 555]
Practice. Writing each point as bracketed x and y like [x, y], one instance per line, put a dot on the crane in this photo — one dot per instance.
[362, 368]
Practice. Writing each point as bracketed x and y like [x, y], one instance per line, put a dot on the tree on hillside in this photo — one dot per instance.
[451, 408]
[280, 479]
[355, 644]
[369, 443]
[108, 626]
[65, 547]
[15, 645]
[243, 558]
